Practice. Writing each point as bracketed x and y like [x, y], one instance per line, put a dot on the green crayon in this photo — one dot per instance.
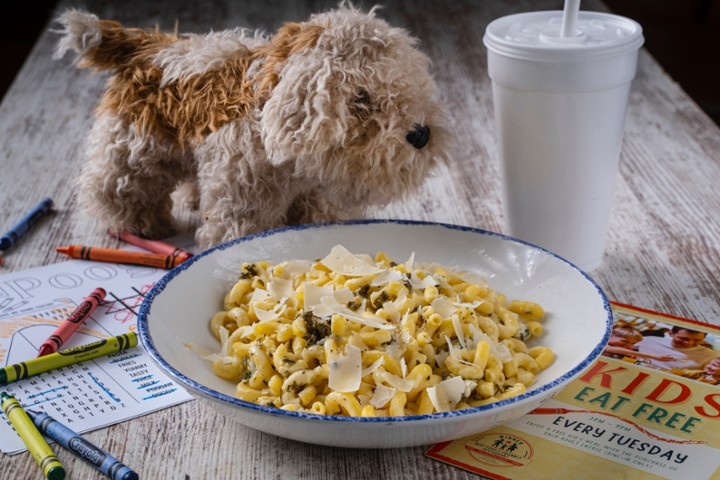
[28, 368]
[37, 446]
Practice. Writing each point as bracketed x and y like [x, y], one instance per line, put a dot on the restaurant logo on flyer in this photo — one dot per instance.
[500, 449]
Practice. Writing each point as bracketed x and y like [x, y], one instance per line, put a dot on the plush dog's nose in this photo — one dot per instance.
[419, 136]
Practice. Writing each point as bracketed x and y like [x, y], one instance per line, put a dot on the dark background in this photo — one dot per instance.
[682, 35]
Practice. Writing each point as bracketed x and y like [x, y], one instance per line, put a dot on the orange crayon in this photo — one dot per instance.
[120, 256]
[154, 246]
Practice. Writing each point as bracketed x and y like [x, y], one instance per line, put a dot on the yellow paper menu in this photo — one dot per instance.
[648, 408]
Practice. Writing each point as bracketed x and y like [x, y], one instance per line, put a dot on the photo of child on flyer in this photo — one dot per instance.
[676, 349]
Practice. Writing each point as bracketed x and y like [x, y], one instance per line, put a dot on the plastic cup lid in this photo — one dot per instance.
[536, 36]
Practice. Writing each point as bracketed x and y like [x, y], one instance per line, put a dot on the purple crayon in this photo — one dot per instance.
[101, 460]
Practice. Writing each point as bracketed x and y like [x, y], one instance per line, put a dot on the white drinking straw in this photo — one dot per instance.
[569, 20]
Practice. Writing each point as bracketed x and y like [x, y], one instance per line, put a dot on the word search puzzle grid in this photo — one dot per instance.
[94, 393]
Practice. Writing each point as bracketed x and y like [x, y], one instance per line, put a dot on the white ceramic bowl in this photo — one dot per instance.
[177, 311]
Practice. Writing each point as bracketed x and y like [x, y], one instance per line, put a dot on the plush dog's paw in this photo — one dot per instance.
[208, 235]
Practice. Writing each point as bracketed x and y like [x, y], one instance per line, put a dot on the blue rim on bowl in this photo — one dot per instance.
[200, 389]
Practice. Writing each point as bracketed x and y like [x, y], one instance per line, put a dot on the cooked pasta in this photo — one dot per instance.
[354, 335]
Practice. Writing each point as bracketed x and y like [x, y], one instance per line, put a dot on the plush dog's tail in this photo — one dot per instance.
[105, 44]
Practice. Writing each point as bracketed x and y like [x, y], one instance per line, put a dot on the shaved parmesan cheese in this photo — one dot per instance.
[393, 312]
[312, 295]
[224, 344]
[446, 394]
[443, 306]
[410, 261]
[502, 352]
[405, 335]
[344, 296]
[266, 316]
[395, 349]
[280, 288]
[245, 331]
[382, 396]
[427, 281]
[451, 348]
[345, 371]
[203, 352]
[479, 335]
[341, 261]
[440, 358]
[259, 295]
[457, 326]
[401, 297]
[366, 319]
[386, 277]
[375, 365]
[322, 311]
[454, 353]
[469, 306]
[401, 384]
[470, 385]
[295, 268]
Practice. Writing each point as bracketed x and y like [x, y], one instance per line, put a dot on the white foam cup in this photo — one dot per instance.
[560, 105]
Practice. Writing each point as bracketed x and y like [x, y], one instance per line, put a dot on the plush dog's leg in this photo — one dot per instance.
[312, 208]
[128, 179]
[240, 192]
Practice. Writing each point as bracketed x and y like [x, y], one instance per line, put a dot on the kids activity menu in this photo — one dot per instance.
[94, 393]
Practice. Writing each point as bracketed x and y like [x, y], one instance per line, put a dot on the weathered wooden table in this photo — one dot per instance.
[663, 249]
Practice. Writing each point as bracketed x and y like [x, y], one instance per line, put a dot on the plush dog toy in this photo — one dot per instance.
[312, 124]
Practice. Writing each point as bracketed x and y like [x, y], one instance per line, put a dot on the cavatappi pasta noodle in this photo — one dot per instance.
[353, 335]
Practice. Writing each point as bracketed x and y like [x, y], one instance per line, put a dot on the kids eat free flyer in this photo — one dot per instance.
[648, 408]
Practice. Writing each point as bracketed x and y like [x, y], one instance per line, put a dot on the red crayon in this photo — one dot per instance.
[154, 246]
[120, 256]
[72, 323]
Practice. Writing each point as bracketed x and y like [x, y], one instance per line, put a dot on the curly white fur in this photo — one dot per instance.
[312, 124]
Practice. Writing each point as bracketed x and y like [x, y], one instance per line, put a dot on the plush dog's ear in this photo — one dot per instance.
[301, 117]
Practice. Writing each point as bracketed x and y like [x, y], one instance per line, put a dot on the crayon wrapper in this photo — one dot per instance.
[70, 356]
[92, 454]
[25, 428]
[122, 256]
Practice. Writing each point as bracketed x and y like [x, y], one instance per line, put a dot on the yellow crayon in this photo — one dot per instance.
[28, 368]
[37, 446]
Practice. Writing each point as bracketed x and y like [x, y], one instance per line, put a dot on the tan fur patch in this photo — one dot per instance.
[189, 109]
[289, 39]
[122, 45]
[202, 104]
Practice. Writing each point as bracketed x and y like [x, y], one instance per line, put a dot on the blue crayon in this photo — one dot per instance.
[21, 228]
[101, 460]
